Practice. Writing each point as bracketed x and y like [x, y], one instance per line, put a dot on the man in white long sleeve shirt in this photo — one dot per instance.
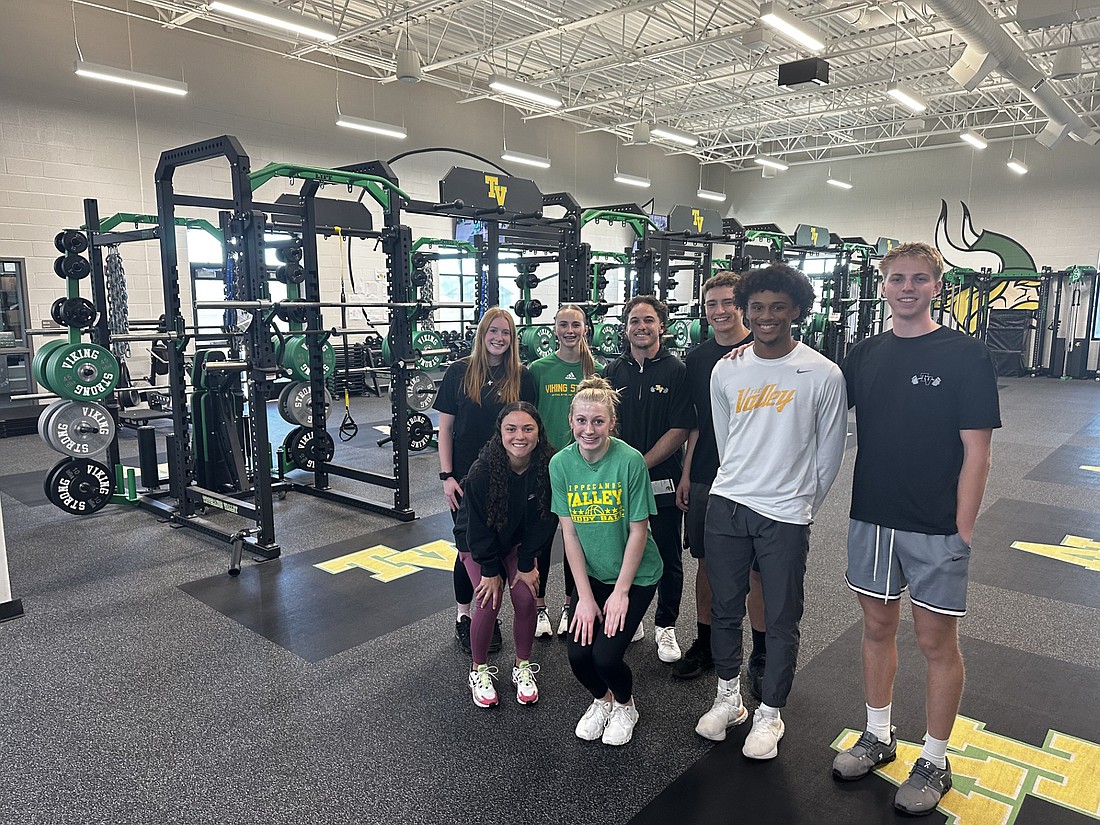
[780, 420]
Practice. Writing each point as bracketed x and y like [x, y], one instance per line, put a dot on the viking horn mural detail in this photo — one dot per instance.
[998, 253]
[985, 250]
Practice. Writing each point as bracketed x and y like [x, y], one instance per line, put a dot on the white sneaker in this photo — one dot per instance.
[728, 710]
[481, 686]
[592, 724]
[667, 648]
[563, 622]
[620, 727]
[639, 634]
[542, 623]
[763, 740]
[523, 677]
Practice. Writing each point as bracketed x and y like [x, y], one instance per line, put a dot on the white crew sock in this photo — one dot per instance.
[878, 722]
[768, 711]
[935, 751]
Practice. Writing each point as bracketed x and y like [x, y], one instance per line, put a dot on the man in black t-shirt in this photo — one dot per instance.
[926, 407]
[728, 330]
[655, 417]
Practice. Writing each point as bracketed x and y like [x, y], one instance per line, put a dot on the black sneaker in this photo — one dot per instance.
[756, 677]
[864, 756]
[495, 642]
[462, 632]
[922, 791]
[695, 662]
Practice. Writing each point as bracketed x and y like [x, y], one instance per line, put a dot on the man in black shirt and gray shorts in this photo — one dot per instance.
[926, 407]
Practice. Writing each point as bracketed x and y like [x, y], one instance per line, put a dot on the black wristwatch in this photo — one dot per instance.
[446, 475]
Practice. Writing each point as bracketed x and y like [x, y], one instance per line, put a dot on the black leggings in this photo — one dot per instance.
[542, 560]
[599, 666]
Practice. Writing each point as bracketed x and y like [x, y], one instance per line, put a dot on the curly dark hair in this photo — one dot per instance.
[495, 456]
[777, 278]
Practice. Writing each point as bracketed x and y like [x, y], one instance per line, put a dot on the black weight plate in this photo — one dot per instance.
[55, 311]
[420, 432]
[71, 240]
[76, 312]
[80, 486]
[306, 449]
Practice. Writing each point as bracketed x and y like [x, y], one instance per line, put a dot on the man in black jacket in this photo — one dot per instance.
[655, 417]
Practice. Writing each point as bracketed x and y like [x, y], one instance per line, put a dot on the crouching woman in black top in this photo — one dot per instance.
[503, 520]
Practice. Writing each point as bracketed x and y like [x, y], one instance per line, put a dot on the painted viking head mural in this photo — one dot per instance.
[999, 254]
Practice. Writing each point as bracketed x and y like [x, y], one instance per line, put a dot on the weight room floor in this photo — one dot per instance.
[145, 686]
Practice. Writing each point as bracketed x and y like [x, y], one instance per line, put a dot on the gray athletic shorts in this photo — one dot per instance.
[882, 562]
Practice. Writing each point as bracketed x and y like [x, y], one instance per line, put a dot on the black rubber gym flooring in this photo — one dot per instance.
[324, 601]
[1023, 750]
[299, 695]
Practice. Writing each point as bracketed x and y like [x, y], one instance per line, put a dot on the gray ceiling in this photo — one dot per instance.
[689, 63]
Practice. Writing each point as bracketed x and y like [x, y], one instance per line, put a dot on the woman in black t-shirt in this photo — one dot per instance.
[474, 391]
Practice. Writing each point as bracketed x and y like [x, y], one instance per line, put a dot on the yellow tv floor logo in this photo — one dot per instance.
[1078, 550]
[993, 774]
[387, 564]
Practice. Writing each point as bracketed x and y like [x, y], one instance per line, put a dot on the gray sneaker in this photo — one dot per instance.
[922, 791]
[864, 756]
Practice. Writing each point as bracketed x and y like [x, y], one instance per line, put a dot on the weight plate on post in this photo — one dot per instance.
[75, 312]
[680, 330]
[80, 428]
[422, 391]
[300, 403]
[306, 450]
[55, 311]
[71, 240]
[44, 419]
[605, 339]
[697, 336]
[425, 340]
[284, 409]
[537, 342]
[72, 266]
[296, 357]
[80, 486]
[420, 431]
[82, 372]
[38, 364]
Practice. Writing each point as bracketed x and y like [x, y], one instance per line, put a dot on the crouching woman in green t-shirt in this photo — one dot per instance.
[603, 498]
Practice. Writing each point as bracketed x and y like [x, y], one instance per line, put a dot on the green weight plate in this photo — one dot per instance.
[425, 340]
[387, 353]
[289, 441]
[607, 338]
[80, 429]
[296, 357]
[537, 342]
[38, 364]
[680, 331]
[80, 486]
[299, 403]
[697, 331]
[82, 372]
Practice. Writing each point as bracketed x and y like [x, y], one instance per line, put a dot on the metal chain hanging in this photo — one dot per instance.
[118, 319]
[427, 295]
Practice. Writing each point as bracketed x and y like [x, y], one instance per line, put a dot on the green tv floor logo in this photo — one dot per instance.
[387, 564]
[994, 774]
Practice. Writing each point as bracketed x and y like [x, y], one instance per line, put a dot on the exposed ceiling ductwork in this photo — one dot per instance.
[976, 26]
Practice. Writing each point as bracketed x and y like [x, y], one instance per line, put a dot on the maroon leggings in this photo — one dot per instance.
[484, 619]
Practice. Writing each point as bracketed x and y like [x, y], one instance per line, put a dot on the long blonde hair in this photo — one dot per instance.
[597, 390]
[477, 366]
[588, 363]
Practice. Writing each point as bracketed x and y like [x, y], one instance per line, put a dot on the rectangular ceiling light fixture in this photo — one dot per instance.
[631, 180]
[711, 195]
[673, 134]
[771, 163]
[1017, 166]
[276, 18]
[974, 139]
[375, 127]
[907, 97]
[517, 88]
[839, 184]
[128, 78]
[528, 160]
[775, 16]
